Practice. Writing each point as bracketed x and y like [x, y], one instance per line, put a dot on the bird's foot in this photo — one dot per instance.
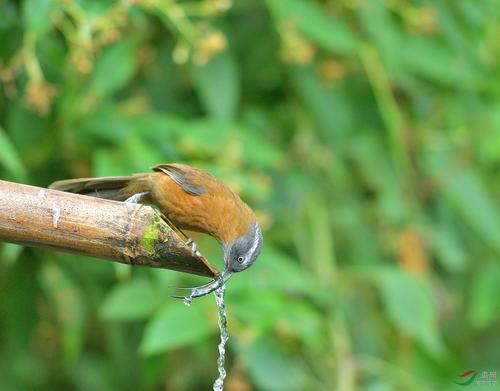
[136, 197]
[193, 246]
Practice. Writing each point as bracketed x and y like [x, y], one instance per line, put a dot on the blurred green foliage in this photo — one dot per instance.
[365, 133]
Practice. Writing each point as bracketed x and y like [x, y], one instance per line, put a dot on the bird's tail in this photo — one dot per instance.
[117, 188]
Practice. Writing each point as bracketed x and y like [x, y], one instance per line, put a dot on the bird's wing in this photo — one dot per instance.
[187, 177]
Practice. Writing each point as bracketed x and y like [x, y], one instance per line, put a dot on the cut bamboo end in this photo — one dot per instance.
[133, 234]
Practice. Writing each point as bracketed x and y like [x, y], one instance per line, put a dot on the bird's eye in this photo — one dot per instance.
[241, 259]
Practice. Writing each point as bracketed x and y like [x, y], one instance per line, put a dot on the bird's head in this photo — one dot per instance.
[243, 252]
[238, 256]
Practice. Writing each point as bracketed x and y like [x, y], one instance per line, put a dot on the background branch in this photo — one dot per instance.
[128, 233]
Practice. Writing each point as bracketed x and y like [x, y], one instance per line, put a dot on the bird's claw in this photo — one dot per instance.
[134, 199]
[193, 246]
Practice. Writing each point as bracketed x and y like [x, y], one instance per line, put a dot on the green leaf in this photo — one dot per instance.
[273, 369]
[329, 106]
[293, 277]
[29, 133]
[258, 151]
[114, 68]
[411, 307]
[305, 322]
[67, 299]
[106, 124]
[205, 137]
[106, 164]
[383, 30]
[435, 61]
[133, 300]
[9, 157]
[448, 248]
[175, 326]
[472, 200]
[327, 31]
[217, 85]
[20, 294]
[134, 156]
[9, 12]
[484, 306]
[260, 307]
[160, 126]
[37, 15]
[9, 252]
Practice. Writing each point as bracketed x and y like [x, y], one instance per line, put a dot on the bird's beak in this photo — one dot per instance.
[207, 288]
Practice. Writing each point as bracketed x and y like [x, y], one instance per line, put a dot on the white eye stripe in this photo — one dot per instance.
[257, 238]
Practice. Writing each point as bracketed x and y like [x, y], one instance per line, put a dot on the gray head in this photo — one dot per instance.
[241, 254]
[238, 256]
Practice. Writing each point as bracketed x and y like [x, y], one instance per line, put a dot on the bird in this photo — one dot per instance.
[191, 199]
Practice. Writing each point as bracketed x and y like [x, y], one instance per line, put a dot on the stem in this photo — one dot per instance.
[388, 107]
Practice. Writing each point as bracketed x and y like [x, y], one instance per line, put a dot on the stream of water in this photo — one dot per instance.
[224, 336]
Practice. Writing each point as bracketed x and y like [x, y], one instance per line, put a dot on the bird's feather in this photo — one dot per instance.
[106, 187]
[184, 176]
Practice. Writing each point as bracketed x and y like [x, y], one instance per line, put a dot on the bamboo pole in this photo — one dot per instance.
[122, 232]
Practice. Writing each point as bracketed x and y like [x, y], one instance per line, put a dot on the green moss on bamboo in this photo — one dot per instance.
[150, 236]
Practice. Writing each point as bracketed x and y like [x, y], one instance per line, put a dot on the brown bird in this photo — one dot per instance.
[191, 199]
